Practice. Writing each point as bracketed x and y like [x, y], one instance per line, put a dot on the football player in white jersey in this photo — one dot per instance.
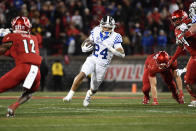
[105, 43]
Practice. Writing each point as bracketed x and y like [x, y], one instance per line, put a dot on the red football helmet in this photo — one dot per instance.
[178, 17]
[162, 59]
[21, 24]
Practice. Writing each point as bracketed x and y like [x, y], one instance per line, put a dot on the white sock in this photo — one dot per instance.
[71, 93]
[90, 92]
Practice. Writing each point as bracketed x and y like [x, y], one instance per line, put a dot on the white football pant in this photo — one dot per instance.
[97, 72]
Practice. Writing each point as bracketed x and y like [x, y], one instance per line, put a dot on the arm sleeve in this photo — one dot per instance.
[174, 65]
[146, 62]
[117, 45]
[7, 38]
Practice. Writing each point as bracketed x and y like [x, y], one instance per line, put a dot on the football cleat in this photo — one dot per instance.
[87, 99]
[155, 103]
[146, 100]
[10, 112]
[181, 99]
[67, 99]
[192, 104]
[69, 96]
[177, 98]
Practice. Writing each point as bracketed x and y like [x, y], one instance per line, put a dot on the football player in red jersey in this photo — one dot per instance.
[158, 63]
[23, 48]
[185, 38]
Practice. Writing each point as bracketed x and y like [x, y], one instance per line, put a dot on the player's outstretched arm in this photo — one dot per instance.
[178, 79]
[4, 47]
[153, 84]
[119, 51]
[178, 52]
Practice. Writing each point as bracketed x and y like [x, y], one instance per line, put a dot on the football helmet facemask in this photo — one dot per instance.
[107, 25]
[162, 59]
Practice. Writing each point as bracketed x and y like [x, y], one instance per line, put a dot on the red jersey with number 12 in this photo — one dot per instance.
[24, 49]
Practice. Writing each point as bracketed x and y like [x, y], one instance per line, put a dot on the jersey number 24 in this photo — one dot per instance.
[104, 52]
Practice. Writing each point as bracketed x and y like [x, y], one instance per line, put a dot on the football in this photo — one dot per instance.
[88, 43]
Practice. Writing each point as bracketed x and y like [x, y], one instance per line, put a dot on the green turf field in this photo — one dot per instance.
[107, 112]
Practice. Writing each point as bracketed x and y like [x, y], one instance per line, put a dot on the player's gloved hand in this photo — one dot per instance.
[180, 71]
[4, 32]
[192, 9]
[87, 48]
[183, 27]
[180, 33]
[114, 51]
[179, 42]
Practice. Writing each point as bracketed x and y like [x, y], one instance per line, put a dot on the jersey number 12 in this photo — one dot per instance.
[26, 46]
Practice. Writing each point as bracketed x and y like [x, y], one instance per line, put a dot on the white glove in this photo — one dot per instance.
[87, 48]
[192, 10]
[178, 42]
[114, 51]
[183, 27]
[180, 71]
[4, 32]
[182, 42]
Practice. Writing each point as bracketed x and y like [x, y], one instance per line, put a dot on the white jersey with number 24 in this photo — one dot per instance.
[101, 54]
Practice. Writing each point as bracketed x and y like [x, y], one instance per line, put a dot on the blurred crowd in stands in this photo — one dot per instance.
[62, 25]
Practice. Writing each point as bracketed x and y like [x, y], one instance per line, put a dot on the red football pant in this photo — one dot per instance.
[190, 76]
[17, 75]
[167, 77]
